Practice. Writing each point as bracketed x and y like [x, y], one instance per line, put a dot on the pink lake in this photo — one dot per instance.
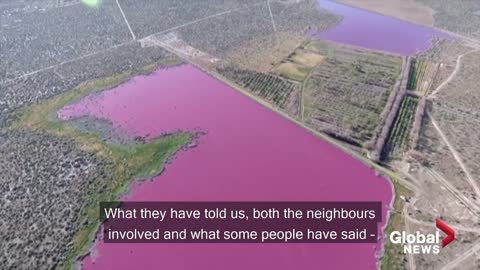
[377, 32]
[249, 153]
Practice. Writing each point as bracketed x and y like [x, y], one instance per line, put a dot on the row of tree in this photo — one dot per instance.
[417, 123]
[380, 136]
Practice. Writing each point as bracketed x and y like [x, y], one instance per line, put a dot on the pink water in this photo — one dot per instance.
[248, 154]
[374, 31]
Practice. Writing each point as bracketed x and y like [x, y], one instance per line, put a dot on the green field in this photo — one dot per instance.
[421, 75]
[398, 139]
[270, 87]
[347, 92]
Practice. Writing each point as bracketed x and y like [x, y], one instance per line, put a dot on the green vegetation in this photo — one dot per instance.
[323, 48]
[270, 87]
[421, 75]
[398, 139]
[393, 257]
[347, 92]
[416, 73]
[298, 65]
[126, 162]
[412, 73]
[91, 3]
[292, 71]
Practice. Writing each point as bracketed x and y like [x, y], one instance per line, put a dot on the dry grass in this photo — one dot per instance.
[306, 58]
[463, 133]
[437, 154]
[299, 64]
[445, 51]
[462, 91]
[292, 71]
[346, 93]
[264, 53]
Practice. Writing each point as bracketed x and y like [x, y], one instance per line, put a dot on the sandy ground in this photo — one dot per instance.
[408, 10]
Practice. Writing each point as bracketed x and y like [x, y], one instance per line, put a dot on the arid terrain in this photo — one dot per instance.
[444, 162]
[44, 181]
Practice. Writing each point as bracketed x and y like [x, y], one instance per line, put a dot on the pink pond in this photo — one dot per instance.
[249, 153]
[377, 32]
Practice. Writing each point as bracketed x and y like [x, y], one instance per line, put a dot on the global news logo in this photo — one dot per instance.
[419, 243]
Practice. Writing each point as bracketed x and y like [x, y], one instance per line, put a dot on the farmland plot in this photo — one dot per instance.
[282, 93]
[444, 53]
[298, 65]
[345, 95]
[398, 139]
[421, 75]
